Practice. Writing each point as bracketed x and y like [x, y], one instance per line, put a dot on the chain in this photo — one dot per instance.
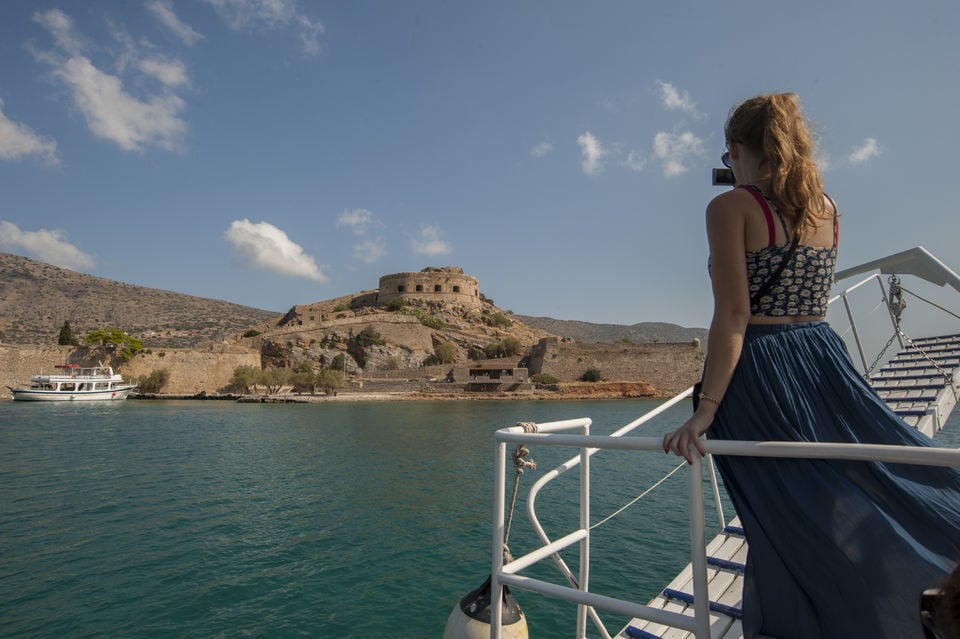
[896, 305]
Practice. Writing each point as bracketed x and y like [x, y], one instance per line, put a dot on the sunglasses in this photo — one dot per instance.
[725, 158]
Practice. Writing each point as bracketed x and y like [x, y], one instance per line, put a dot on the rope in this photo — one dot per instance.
[637, 498]
[520, 462]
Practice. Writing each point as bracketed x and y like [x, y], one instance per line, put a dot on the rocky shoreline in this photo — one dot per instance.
[572, 391]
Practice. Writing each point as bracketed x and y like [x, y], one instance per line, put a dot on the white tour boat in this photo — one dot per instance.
[73, 382]
[921, 384]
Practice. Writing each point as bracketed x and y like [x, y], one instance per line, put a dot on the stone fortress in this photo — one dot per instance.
[670, 367]
[433, 284]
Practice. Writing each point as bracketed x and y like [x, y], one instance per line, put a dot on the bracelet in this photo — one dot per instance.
[707, 398]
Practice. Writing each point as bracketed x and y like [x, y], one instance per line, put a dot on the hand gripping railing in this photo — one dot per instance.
[550, 434]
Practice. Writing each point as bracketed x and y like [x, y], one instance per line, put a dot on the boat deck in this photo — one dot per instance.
[920, 384]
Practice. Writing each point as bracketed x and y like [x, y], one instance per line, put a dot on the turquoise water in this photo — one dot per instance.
[216, 519]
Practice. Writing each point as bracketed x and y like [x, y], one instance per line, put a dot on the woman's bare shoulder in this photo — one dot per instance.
[735, 202]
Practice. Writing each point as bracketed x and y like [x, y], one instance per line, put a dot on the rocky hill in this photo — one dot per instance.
[642, 333]
[36, 298]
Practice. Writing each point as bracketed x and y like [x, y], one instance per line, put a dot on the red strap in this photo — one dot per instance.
[771, 231]
[836, 222]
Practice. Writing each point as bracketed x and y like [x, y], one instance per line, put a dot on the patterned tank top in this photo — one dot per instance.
[803, 287]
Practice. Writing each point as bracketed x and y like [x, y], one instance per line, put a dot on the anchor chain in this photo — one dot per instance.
[897, 304]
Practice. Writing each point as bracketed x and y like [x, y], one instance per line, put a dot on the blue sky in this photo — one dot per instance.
[273, 153]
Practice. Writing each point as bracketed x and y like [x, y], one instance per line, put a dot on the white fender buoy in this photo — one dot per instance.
[470, 618]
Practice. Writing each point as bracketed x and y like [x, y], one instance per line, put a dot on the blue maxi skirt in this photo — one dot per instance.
[836, 549]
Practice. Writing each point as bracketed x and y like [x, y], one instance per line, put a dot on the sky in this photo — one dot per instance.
[273, 152]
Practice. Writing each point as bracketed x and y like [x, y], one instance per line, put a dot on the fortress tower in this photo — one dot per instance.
[433, 284]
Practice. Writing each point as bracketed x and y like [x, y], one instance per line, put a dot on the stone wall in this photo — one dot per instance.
[670, 368]
[191, 371]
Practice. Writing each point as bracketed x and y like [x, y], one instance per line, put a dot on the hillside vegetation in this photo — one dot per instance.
[36, 298]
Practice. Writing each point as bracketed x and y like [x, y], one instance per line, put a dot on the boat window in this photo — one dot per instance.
[101, 386]
[68, 386]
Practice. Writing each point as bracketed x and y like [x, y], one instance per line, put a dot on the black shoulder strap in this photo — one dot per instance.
[776, 274]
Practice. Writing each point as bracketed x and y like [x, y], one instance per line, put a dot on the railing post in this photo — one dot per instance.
[499, 504]
[698, 549]
[584, 577]
[856, 333]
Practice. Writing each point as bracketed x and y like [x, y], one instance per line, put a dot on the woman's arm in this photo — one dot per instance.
[726, 225]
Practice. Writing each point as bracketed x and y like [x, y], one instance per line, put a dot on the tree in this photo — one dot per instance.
[66, 337]
[244, 377]
[303, 379]
[330, 380]
[113, 339]
[275, 379]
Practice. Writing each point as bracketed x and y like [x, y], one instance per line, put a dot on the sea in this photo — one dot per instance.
[338, 519]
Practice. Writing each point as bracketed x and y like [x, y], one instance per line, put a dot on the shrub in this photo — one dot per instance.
[592, 375]
[446, 352]
[153, 382]
[544, 378]
[339, 308]
[396, 304]
[251, 332]
[499, 320]
[507, 347]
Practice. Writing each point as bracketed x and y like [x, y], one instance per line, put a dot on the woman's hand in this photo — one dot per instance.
[679, 441]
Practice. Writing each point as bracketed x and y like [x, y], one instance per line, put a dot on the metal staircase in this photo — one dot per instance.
[920, 384]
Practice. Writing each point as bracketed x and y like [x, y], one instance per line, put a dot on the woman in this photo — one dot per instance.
[837, 549]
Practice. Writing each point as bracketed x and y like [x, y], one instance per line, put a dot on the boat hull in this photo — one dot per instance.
[33, 395]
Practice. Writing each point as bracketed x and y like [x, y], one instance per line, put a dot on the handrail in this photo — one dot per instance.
[550, 435]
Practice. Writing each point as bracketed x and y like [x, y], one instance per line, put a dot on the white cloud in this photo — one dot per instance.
[865, 152]
[111, 112]
[256, 16]
[269, 248]
[18, 140]
[673, 99]
[163, 11]
[370, 250]
[635, 162]
[673, 149]
[45, 245]
[541, 149]
[358, 219]
[169, 73]
[60, 27]
[429, 242]
[591, 152]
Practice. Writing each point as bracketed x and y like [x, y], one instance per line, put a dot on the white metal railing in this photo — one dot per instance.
[551, 434]
[917, 262]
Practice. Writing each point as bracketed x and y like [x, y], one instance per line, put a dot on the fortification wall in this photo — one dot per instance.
[446, 284]
[191, 371]
[670, 368]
